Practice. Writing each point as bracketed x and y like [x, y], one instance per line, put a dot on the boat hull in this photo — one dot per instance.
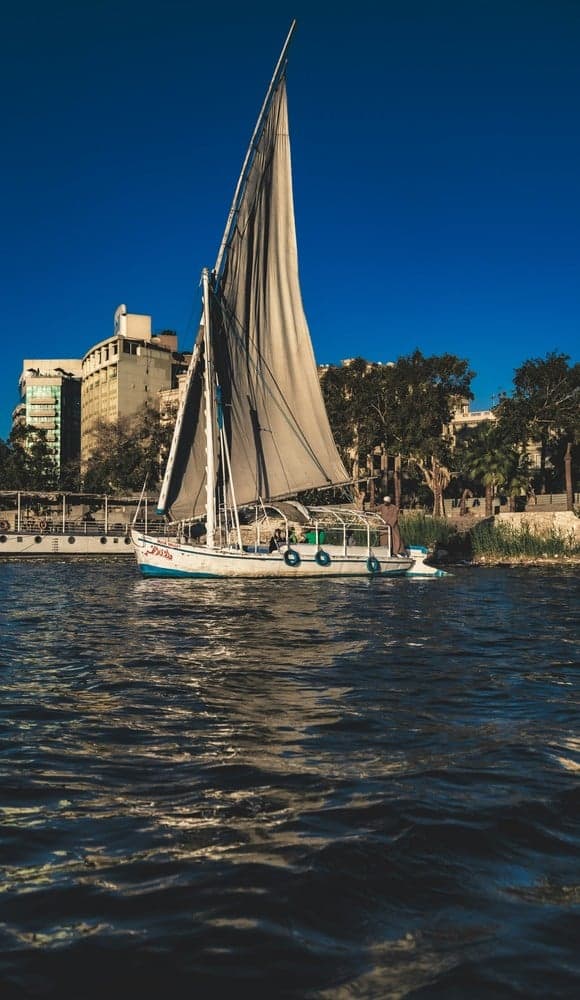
[175, 559]
[25, 545]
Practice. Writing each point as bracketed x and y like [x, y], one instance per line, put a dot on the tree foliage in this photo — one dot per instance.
[346, 392]
[26, 461]
[545, 407]
[403, 408]
[128, 453]
[487, 457]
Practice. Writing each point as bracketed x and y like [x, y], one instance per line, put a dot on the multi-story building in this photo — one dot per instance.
[19, 415]
[50, 392]
[169, 400]
[464, 421]
[126, 372]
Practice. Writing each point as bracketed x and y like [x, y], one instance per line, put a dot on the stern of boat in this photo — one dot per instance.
[420, 567]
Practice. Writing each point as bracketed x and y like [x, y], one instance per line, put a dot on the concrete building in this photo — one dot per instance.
[464, 421]
[125, 372]
[19, 415]
[169, 400]
[50, 392]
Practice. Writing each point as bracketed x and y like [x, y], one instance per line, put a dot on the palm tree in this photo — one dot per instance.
[518, 477]
[489, 459]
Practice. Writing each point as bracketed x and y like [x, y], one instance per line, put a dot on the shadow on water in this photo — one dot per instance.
[364, 788]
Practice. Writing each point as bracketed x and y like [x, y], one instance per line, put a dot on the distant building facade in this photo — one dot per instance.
[169, 400]
[50, 392]
[125, 372]
[464, 421]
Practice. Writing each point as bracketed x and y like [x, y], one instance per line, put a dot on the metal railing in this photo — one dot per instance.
[95, 528]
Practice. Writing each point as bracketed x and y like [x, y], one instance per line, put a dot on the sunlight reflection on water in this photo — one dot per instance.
[280, 774]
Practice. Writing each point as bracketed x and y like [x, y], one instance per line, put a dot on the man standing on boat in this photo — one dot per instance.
[390, 515]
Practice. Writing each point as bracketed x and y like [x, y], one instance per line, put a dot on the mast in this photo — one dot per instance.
[209, 416]
[280, 66]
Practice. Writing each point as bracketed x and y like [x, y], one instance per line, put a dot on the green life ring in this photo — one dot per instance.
[373, 565]
[291, 557]
[322, 558]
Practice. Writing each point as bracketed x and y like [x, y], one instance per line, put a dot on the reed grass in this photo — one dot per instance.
[422, 529]
[488, 540]
[501, 541]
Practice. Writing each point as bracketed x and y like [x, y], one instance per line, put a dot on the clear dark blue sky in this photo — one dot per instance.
[436, 157]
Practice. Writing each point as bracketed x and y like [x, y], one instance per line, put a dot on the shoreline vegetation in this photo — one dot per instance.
[489, 543]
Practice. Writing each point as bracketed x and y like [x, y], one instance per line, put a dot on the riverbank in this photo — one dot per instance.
[509, 562]
[504, 540]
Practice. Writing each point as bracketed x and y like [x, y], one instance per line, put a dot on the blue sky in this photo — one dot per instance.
[436, 151]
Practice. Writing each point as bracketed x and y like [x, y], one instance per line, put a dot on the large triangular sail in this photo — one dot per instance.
[270, 404]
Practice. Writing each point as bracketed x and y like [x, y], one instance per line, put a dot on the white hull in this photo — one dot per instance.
[172, 558]
[25, 545]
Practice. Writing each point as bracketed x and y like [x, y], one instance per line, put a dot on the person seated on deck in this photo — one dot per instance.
[292, 536]
[276, 541]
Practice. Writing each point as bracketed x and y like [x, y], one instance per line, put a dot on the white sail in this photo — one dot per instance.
[272, 408]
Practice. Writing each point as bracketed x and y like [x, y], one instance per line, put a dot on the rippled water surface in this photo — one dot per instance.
[288, 789]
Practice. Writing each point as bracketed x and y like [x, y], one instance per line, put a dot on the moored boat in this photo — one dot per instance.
[47, 524]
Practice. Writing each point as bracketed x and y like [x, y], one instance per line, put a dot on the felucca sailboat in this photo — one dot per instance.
[252, 430]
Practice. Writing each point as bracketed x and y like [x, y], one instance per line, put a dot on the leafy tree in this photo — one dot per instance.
[115, 465]
[155, 437]
[69, 479]
[402, 408]
[544, 407]
[128, 453]
[345, 395]
[27, 462]
[409, 404]
[5, 465]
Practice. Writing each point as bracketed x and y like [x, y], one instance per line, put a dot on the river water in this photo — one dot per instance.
[318, 789]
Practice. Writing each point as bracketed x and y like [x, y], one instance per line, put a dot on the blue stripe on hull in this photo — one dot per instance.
[161, 571]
